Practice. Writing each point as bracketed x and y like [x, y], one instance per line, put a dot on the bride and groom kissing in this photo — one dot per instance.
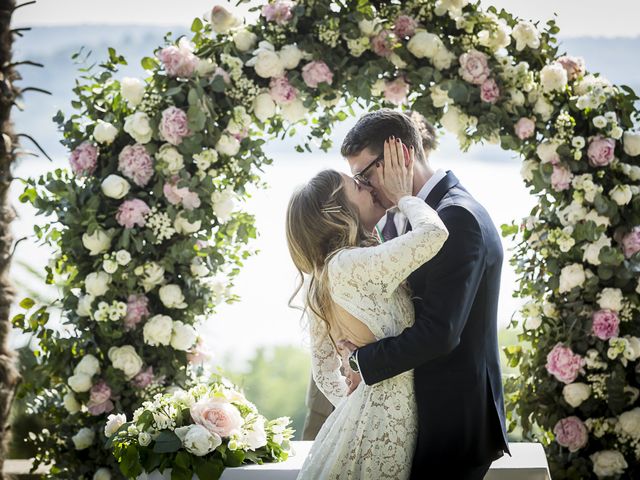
[402, 312]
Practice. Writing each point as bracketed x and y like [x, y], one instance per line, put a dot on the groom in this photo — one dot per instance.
[453, 345]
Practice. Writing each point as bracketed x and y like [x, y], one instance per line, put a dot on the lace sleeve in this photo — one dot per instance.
[381, 269]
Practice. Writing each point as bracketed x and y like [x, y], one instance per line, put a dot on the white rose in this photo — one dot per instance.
[607, 463]
[104, 132]
[97, 283]
[592, 250]
[80, 382]
[132, 90]
[204, 159]
[439, 96]
[264, 107]
[198, 440]
[84, 438]
[453, 120]
[532, 323]
[515, 98]
[290, 56]
[528, 168]
[543, 107]
[144, 439]
[222, 20]
[621, 194]
[452, 7]
[198, 268]
[84, 305]
[245, 40]
[89, 365]
[183, 336]
[553, 77]
[184, 227]
[443, 58]
[98, 242]
[257, 436]
[102, 474]
[547, 153]
[526, 35]
[266, 61]
[632, 351]
[293, 111]
[425, 45]
[157, 330]
[228, 145]
[630, 422]
[496, 38]
[223, 204]
[631, 143]
[170, 161]
[126, 359]
[368, 27]
[611, 299]
[572, 276]
[114, 422]
[139, 127]
[114, 186]
[70, 403]
[616, 133]
[397, 61]
[171, 296]
[576, 393]
[110, 266]
[123, 257]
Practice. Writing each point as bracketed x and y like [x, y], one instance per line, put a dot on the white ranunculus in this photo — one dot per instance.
[152, 274]
[132, 90]
[222, 20]
[244, 40]
[257, 436]
[70, 403]
[553, 77]
[80, 382]
[183, 336]
[114, 422]
[114, 186]
[104, 132]
[139, 127]
[123, 257]
[621, 194]
[84, 305]
[266, 61]
[439, 96]
[157, 330]
[88, 365]
[170, 161]
[264, 107]
[576, 393]
[84, 438]
[228, 145]
[223, 204]
[144, 439]
[572, 276]
[293, 111]
[126, 359]
[171, 296]
[631, 143]
[607, 463]
[543, 107]
[198, 440]
[599, 121]
[616, 133]
[611, 299]
[97, 283]
[290, 56]
[592, 250]
[526, 35]
[184, 227]
[102, 474]
[630, 423]
[98, 242]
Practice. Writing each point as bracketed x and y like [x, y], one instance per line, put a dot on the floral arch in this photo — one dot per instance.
[149, 237]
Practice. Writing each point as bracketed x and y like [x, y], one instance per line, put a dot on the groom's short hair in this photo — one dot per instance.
[373, 128]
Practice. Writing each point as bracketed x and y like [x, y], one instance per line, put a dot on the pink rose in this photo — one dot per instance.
[144, 378]
[405, 26]
[199, 353]
[489, 91]
[100, 399]
[217, 415]
[137, 310]
[561, 178]
[474, 67]
[179, 61]
[180, 195]
[631, 242]
[281, 90]
[574, 66]
[396, 91]
[606, 324]
[316, 72]
[525, 128]
[382, 43]
[174, 125]
[132, 213]
[601, 151]
[278, 11]
[571, 433]
[135, 163]
[84, 159]
[563, 364]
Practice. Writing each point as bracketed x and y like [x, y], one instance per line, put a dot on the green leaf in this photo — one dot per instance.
[167, 442]
[27, 303]
[234, 458]
[209, 469]
[196, 26]
[149, 63]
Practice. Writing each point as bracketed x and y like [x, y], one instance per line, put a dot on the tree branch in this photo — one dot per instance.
[35, 143]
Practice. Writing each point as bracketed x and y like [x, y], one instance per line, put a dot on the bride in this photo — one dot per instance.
[356, 291]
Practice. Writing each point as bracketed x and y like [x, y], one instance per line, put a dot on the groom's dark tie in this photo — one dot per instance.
[389, 230]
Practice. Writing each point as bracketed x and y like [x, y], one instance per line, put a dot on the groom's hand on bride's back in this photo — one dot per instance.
[353, 379]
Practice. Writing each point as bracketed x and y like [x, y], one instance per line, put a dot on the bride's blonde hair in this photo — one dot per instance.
[320, 222]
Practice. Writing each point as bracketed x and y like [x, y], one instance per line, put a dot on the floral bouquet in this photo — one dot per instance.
[196, 433]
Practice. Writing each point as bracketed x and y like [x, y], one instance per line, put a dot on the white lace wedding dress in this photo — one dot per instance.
[372, 432]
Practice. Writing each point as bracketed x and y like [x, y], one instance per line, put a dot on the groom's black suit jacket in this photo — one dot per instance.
[453, 345]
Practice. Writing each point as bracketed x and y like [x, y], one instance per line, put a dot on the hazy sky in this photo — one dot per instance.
[575, 17]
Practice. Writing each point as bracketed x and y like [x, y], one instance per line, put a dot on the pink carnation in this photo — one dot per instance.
[137, 310]
[631, 242]
[181, 195]
[405, 26]
[100, 399]
[217, 415]
[316, 72]
[281, 90]
[489, 91]
[144, 378]
[606, 324]
[571, 433]
[174, 125]
[563, 364]
[179, 61]
[382, 43]
[396, 91]
[279, 11]
[601, 151]
[84, 159]
[132, 213]
[574, 66]
[525, 128]
[474, 67]
[561, 178]
[136, 164]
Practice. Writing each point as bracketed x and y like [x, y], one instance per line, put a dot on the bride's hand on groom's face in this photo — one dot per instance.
[396, 172]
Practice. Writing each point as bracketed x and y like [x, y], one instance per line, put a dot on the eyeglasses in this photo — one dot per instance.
[361, 176]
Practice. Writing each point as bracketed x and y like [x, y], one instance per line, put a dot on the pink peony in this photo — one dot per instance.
[525, 128]
[132, 213]
[573, 65]
[601, 151]
[382, 43]
[281, 90]
[316, 72]
[489, 91]
[396, 91]
[561, 178]
[84, 159]
[100, 399]
[279, 11]
[217, 415]
[137, 310]
[179, 61]
[631, 242]
[144, 378]
[606, 324]
[474, 67]
[571, 433]
[563, 364]
[174, 125]
[181, 195]
[135, 163]
[405, 26]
